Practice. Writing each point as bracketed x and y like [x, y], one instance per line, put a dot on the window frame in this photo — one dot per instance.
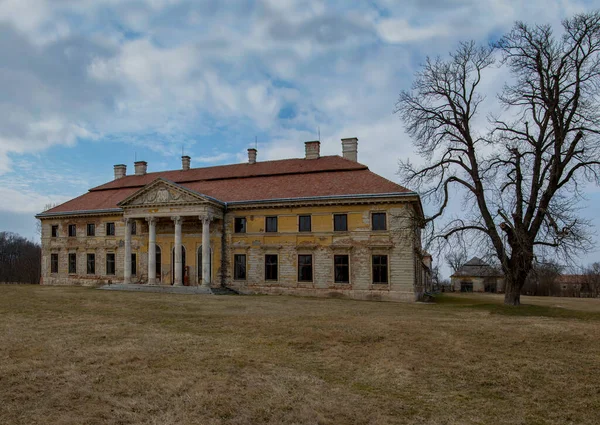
[73, 227]
[235, 270]
[111, 225]
[387, 269]
[345, 222]
[276, 220]
[54, 262]
[92, 227]
[347, 265]
[300, 217]
[90, 258]
[276, 279]
[114, 264]
[312, 264]
[72, 255]
[54, 231]
[133, 227]
[244, 227]
[385, 224]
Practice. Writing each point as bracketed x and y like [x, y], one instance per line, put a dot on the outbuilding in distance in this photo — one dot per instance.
[477, 276]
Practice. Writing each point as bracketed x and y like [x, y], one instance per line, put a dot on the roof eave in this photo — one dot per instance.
[80, 212]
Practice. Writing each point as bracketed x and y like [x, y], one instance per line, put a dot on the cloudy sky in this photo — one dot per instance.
[85, 84]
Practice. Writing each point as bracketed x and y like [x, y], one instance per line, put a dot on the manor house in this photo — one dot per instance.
[318, 225]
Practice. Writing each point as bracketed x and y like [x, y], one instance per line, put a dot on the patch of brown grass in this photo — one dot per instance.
[77, 355]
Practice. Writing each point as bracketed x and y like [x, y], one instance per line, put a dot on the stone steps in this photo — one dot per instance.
[169, 289]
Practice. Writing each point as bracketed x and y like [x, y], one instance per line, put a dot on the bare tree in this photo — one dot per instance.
[20, 259]
[542, 279]
[590, 285]
[520, 173]
[455, 259]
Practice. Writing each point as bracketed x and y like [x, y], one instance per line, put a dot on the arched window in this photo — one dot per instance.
[199, 265]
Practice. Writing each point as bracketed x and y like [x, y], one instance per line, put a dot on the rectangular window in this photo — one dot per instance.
[133, 227]
[270, 224]
[304, 223]
[110, 263]
[53, 263]
[240, 225]
[72, 263]
[341, 265]
[72, 230]
[55, 231]
[239, 266]
[110, 229]
[91, 264]
[378, 221]
[133, 264]
[305, 271]
[340, 222]
[91, 229]
[380, 269]
[270, 267]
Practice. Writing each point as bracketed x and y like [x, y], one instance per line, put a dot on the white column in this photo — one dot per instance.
[178, 259]
[127, 265]
[205, 250]
[151, 250]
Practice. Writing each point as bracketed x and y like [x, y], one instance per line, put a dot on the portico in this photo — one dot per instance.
[169, 206]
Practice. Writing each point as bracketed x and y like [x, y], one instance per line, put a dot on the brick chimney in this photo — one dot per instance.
[312, 149]
[350, 148]
[140, 168]
[185, 162]
[251, 156]
[120, 171]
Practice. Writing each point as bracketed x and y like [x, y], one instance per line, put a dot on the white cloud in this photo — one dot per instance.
[400, 31]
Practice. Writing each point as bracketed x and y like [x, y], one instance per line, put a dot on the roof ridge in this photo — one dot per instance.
[355, 167]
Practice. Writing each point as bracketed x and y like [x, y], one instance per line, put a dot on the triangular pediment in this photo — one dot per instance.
[165, 192]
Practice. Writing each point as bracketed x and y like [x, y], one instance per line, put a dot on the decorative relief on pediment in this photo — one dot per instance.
[163, 195]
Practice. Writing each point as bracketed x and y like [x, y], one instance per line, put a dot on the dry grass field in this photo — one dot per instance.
[84, 356]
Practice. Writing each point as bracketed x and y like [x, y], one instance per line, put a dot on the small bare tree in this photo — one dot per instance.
[455, 259]
[521, 172]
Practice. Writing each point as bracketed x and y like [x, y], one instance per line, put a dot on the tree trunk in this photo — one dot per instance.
[512, 288]
[512, 295]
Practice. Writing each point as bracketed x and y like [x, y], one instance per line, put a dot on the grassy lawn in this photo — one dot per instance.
[84, 356]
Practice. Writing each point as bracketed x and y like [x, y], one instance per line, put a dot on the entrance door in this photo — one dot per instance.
[182, 264]
[158, 264]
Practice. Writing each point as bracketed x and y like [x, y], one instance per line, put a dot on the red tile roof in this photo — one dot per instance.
[284, 179]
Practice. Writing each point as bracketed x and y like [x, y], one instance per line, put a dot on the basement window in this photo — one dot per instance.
[110, 229]
[110, 263]
[55, 231]
[72, 230]
[240, 225]
[53, 263]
